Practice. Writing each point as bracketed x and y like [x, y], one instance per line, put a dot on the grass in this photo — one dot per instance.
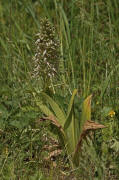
[89, 61]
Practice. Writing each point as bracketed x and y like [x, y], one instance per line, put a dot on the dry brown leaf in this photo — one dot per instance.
[91, 125]
[54, 153]
[51, 147]
[53, 120]
[88, 126]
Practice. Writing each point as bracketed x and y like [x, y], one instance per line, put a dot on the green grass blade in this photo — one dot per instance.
[66, 23]
[106, 82]
[30, 9]
[4, 45]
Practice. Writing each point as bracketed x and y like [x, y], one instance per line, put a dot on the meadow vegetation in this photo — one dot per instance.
[59, 90]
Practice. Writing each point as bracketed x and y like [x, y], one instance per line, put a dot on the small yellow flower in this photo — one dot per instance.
[111, 113]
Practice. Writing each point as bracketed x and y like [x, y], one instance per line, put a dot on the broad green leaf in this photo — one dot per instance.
[86, 115]
[68, 118]
[86, 112]
[72, 129]
[45, 109]
[55, 107]
[71, 126]
[70, 135]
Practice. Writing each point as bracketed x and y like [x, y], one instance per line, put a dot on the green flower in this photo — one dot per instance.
[47, 54]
